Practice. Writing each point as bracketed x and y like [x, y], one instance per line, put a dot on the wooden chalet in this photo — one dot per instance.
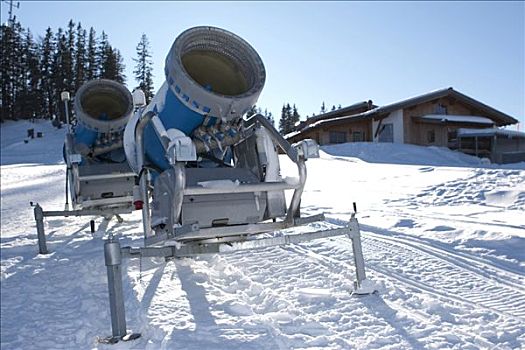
[432, 119]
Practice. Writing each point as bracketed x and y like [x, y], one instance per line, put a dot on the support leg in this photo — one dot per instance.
[120, 220]
[358, 254]
[361, 285]
[113, 260]
[39, 218]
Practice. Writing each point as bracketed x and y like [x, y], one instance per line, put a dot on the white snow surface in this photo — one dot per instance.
[443, 237]
[491, 132]
[459, 118]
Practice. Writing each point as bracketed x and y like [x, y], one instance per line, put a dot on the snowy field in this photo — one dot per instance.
[443, 237]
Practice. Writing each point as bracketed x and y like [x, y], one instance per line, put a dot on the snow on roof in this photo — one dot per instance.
[459, 118]
[291, 134]
[490, 132]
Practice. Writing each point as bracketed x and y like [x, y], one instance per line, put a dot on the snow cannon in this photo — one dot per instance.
[102, 108]
[213, 77]
[205, 175]
[98, 175]
[205, 171]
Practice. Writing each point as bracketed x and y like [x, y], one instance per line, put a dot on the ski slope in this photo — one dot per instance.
[443, 238]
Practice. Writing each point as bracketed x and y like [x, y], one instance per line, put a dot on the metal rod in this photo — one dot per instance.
[139, 137]
[247, 229]
[39, 218]
[276, 137]
[296, 198]
[179, 191]
[66, 105]
[85, 212]
[67, 188]
[105, 176]
[358, 252]
[195, 248]
[227, 231]
[113, 261]
[242, 188]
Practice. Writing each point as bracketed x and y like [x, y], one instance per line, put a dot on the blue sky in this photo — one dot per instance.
[336, 52]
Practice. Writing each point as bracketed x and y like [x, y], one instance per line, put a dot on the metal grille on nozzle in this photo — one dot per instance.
[103, 105]
[221, 61]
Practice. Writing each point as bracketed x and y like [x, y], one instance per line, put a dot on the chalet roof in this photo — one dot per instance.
[490, 132]
[346, 111]
[338, 117]
[500, 117]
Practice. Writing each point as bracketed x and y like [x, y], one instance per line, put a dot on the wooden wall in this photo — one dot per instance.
[416, 132]
[322, 135]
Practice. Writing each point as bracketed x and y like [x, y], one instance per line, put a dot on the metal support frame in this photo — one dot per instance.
[114, 254]
[190, 239]
[40, 214]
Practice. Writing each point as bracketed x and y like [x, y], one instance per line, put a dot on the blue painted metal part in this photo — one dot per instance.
[173, 114]
[85, 136]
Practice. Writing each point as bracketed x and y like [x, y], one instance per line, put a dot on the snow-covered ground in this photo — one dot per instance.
[443, 236]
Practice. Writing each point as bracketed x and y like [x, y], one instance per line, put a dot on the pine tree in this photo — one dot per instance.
[46, 86]
[16, 78]
[59, 76]
[113, 66]
[286, 123]
[80, 58]
[323, 108]
[120, 67]
[34, 74]
[31, 102]
[69, 58]
[268, 115]
[295, 117]
[144, 67]
[283, 122]
[91, 53]
[101, 55]
[6, 72]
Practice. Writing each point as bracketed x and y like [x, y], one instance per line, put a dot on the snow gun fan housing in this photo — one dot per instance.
[102, 108]
[213, 77]
[98, 174]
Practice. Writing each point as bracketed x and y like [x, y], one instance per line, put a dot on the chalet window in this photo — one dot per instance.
[440, 109]
[386, 133]
[452, 135]
[337, 137]
[357, 136]
[431, 136]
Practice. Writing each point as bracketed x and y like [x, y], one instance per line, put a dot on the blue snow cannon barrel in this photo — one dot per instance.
[102, 108]
[212, 76]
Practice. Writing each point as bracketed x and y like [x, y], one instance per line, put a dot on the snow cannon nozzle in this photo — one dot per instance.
[213, 77]
[103, 106]
[215, 72]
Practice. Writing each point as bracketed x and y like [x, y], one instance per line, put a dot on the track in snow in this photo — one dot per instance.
[454, 283]
[442, 273]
